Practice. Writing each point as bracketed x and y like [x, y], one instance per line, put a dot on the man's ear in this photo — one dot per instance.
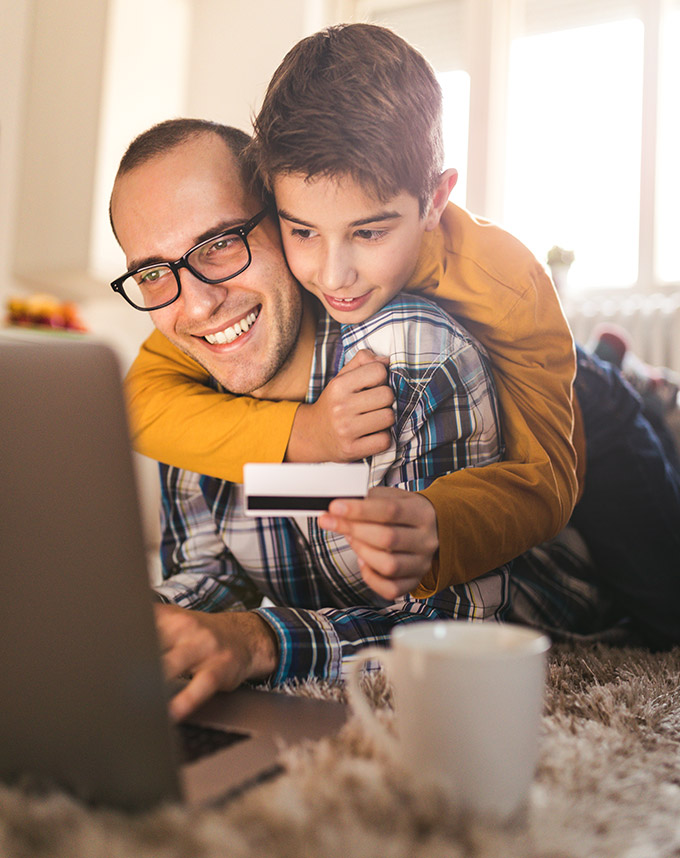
[447, 182]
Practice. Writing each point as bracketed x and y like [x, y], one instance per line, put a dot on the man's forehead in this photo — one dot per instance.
[203, 163]
[180, 195]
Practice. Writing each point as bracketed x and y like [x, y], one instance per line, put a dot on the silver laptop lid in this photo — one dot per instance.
[82, 700]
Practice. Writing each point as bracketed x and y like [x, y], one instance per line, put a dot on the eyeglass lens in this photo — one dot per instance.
[215, 259]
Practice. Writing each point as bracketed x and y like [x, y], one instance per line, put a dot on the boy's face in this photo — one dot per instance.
[352, 251]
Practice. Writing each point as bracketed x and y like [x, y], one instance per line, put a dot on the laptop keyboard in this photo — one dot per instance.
[196, 741]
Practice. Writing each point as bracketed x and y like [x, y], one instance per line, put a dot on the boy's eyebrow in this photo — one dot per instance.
[374, 218]
[218, 228]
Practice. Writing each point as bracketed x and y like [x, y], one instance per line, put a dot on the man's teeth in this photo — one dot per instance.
[228, 335]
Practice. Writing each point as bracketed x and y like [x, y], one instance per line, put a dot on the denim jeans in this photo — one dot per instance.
[629, 513]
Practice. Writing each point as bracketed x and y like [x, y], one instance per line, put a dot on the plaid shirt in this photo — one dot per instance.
[215, 558]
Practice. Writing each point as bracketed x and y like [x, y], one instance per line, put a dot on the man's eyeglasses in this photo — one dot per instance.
[214, 260]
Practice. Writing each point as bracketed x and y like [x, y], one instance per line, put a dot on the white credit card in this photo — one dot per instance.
[291, 489]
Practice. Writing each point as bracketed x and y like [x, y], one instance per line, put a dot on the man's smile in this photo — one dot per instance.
[231, 332]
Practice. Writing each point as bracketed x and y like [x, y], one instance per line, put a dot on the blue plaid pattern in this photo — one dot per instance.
[215, 558]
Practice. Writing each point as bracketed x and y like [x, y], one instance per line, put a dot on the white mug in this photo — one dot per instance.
[468, 699]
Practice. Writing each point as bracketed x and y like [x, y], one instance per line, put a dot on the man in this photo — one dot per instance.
[173, 195]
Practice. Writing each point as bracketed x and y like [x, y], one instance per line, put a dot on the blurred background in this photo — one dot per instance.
[562, 117]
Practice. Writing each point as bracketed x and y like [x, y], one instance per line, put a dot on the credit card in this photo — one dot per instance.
[290, 489]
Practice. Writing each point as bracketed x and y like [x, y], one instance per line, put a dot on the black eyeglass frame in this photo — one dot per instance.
[183, 262]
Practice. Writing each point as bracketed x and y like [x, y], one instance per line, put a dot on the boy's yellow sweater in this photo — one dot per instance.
[486, 516]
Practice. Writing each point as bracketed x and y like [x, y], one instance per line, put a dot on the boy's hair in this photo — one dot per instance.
[166, 135]
[357, 100]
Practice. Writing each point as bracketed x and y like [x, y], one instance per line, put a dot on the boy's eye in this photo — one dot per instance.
[302, 233]
[370, 234]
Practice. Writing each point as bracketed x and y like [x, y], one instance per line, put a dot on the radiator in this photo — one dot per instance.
[652, 323]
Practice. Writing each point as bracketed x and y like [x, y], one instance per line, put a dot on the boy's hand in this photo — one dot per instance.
[219, 652]
[350, 420]
[393, 533]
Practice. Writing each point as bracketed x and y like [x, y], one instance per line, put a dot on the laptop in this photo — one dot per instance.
[83, 703]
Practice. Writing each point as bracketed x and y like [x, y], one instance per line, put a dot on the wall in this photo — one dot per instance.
[80, 78]
[16, 20]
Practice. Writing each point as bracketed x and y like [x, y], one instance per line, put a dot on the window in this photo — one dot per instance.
[668, 185]
[572, 174]
[456, 91]
[572, 119]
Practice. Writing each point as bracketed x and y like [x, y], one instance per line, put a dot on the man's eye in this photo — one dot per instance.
[148, 278]
[227, 242]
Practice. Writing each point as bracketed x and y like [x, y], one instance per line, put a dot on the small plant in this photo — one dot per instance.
[560, 256]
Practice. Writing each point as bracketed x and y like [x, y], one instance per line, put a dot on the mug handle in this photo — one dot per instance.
[357, 699]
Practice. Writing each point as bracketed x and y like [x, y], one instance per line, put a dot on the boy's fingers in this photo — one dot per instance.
[397, 542]
[389, 564]
[369, 445]
[389, 589]
[372, 509]
[385, 505]
[361, 358]
[368, 423]
[374, 399]
[364, 377]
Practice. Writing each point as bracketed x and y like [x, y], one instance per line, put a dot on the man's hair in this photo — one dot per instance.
[164, 136]
[357, 100]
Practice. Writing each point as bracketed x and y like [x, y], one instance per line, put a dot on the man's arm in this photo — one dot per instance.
[219, 652]
[205, 629]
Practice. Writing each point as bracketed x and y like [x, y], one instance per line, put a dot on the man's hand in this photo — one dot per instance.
[351, 418]
[393, 533]
[218, 651]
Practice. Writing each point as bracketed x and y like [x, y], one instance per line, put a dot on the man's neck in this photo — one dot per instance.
[292, 380]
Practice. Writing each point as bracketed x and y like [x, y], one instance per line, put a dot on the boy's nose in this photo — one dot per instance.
[337, 270]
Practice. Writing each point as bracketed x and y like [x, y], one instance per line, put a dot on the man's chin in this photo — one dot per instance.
[237, 381]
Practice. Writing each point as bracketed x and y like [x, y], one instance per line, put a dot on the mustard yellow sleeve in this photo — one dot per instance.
[175, 418]
[494, 286]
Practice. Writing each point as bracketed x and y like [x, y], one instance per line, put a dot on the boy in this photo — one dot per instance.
[349, 141]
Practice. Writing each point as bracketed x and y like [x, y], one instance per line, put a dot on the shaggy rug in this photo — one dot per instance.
[607, 784]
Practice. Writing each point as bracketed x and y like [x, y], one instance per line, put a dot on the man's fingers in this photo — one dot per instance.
[193, 695]
[214, 675]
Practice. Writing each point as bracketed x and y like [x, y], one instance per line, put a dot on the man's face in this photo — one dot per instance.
[352, 251]
[166, 206]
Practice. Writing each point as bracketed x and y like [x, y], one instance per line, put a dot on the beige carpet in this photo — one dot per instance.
[608, 784]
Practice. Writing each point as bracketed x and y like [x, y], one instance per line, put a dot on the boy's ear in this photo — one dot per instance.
[447, 182]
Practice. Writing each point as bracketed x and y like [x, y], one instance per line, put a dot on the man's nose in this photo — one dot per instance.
[337, 270]
[200, 299]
